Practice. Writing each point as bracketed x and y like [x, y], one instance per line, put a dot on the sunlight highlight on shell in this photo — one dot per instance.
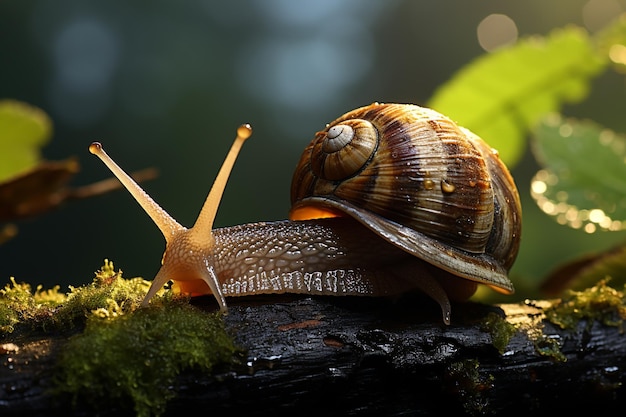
[567, 214]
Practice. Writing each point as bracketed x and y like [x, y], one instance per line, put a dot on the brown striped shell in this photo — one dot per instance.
[419, 181]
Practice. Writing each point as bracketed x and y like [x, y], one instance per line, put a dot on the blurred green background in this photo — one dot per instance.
[166, 83]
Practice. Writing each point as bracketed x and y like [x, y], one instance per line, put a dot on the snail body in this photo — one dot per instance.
[386, 199]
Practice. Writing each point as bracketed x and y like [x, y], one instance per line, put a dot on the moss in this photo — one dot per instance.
[545, 345]
[123, 352]
[549, 347]
[107, 294]
[19, 304]
[464, 378]
[501, 330]
[137, 356]
[599, 303]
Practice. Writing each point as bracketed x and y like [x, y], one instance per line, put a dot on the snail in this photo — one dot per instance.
[386, 199]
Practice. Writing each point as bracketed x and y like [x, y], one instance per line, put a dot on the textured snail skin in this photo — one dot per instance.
[387, 199]
[333, 256]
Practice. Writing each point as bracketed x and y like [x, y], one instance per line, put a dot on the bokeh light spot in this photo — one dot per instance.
[598, 13]
[85, 55]
[496, 30]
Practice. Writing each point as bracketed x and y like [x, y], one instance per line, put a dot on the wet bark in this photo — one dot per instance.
[340, 356]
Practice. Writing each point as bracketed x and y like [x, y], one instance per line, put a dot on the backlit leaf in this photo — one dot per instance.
[501, 95]
[583, 183]
[24, 129]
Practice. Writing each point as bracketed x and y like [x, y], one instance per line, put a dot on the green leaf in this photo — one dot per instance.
[24, 129]
[501, 95]
[587, 270]
[583, 183]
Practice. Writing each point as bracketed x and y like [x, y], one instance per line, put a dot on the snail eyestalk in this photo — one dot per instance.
[204, 223]
[160, 217]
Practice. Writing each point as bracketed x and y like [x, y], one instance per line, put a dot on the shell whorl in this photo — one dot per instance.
[342, 150]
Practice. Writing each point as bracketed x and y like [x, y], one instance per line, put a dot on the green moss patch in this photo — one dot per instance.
[501, 330]
[598, 303]
[118, 351]
[465, 379]
[109, 294]
[19, 304]
[137, 357]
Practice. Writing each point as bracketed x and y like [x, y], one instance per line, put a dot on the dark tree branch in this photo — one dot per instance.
[340, 356]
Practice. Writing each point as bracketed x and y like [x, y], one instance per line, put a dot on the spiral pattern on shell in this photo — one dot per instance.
[420, 181]
[344, 149]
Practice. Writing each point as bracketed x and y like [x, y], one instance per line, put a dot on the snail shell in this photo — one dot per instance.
[422, 183]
